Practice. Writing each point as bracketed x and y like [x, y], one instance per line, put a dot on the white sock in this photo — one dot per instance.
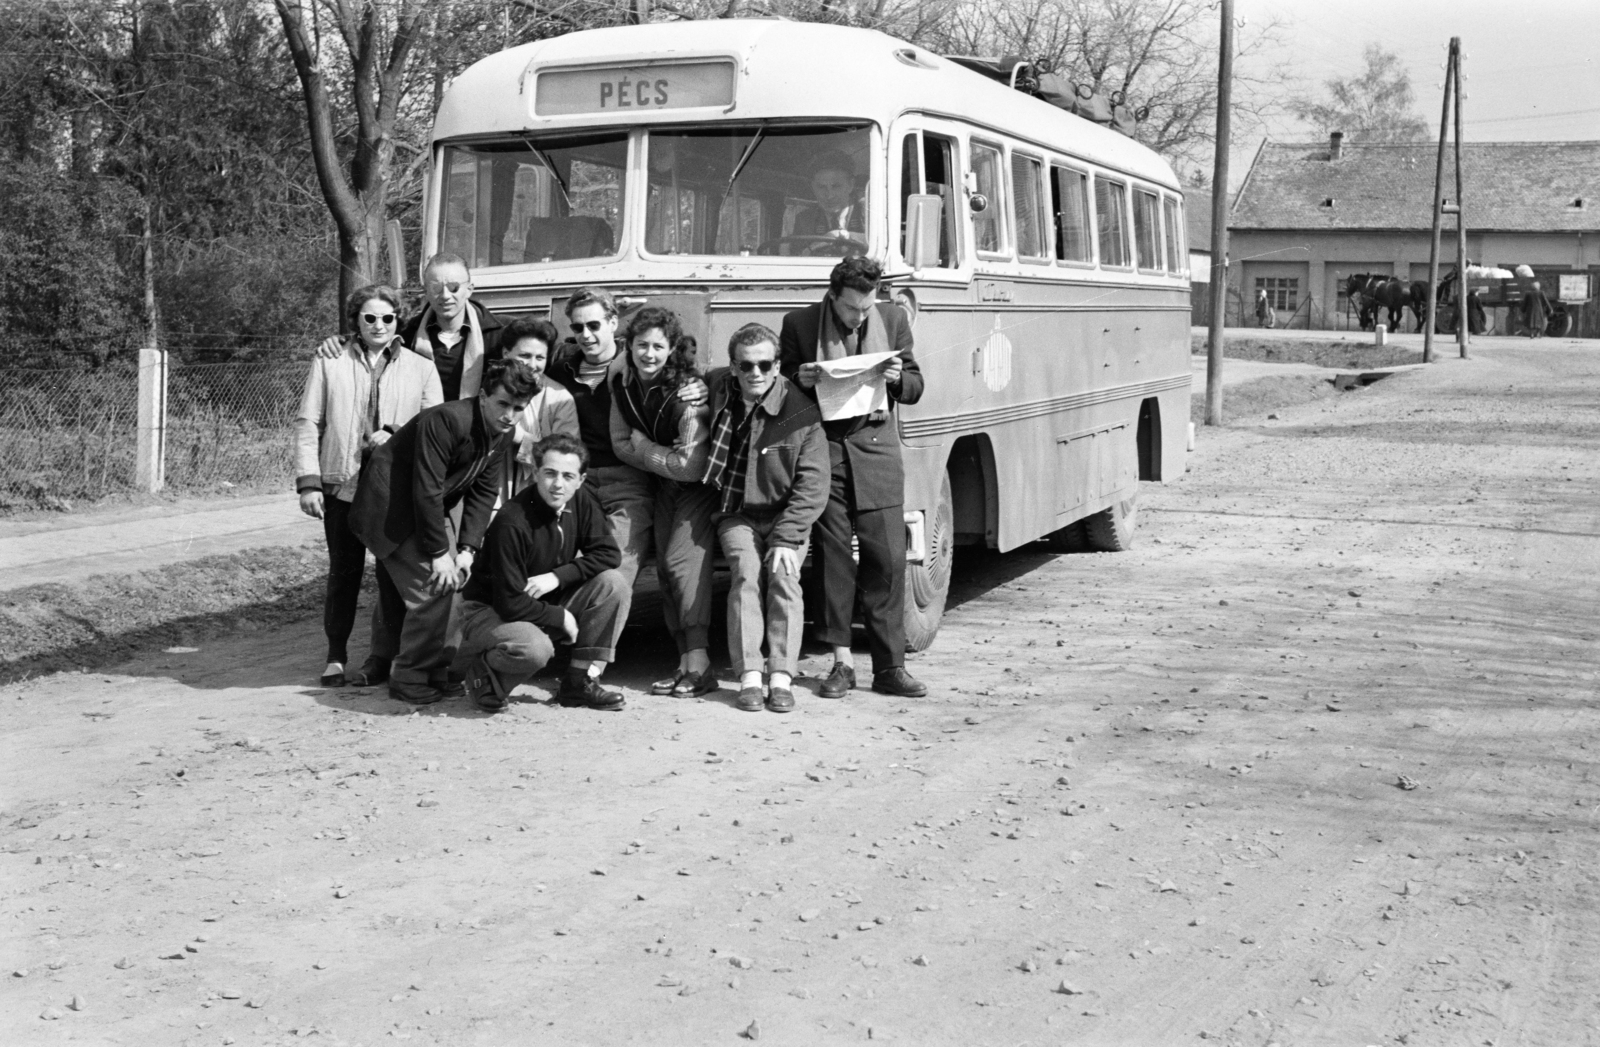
[779, 679]
[750, 679]
[843, 656]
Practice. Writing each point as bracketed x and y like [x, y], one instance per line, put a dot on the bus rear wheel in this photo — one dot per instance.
[928, 583]
[1111, 530]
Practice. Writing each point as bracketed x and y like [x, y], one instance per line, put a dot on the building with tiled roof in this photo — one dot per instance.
[1309, 215]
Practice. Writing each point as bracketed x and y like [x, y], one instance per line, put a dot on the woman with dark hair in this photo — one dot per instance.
[654, 430]
[352, 404]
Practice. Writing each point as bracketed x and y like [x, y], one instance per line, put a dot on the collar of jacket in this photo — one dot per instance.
[538, 511]
[771, 403]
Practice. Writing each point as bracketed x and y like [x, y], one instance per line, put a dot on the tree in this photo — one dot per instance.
[378, 49]
[1160, 54]
[1376, 105]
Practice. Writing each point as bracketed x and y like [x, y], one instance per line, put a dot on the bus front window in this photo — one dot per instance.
[534, 200]
[762, 189]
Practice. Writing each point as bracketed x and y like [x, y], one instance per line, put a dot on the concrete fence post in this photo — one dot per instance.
[150, 465]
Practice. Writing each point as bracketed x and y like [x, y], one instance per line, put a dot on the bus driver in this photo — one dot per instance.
[839, 211]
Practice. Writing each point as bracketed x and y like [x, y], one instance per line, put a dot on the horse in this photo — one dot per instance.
[1374, 291]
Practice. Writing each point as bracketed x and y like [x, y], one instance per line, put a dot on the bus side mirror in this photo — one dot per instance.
[924, 216]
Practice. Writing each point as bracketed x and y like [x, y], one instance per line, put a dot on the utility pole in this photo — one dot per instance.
[1452, 93]
[1219, 222]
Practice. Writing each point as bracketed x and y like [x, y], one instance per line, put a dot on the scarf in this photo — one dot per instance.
[472, 355]
[835, 343]
[728, 459]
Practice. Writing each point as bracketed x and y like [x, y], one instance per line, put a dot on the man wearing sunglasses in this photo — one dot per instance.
[769, 459]
[867, 490]
[459, 335]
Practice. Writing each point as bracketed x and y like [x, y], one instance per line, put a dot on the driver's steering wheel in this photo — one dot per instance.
[814, 246]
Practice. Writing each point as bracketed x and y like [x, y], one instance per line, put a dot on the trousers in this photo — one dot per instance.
[685, 546]
[431, 632]
[347, 563]
[881, 577]
[761, 605]
[517, 650]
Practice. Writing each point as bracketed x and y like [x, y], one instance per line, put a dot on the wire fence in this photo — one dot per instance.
[70, 434]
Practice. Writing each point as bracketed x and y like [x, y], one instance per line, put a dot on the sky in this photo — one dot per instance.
[1529, 65]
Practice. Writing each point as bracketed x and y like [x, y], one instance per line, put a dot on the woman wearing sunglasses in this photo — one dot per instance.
[658, 433]
[351, 405]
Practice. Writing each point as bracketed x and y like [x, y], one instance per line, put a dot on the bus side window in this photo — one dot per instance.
[910, 183]
[1177, 257]
[1071, 199]
[939, 179]
[1111, 207]
[1025, 191]
[988, 225]
[1147, 230]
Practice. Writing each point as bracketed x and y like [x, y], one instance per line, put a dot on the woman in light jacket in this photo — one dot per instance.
[351, 405]
[654, 430]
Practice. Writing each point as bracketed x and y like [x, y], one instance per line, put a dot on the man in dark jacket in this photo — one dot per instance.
[769, 462]
[447, 456]
[867, 495]
[548, 575]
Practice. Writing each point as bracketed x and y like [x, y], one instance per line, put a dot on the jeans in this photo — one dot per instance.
[777, 616]
[517, 650]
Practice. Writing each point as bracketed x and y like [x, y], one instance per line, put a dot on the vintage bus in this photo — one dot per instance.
[721, 168]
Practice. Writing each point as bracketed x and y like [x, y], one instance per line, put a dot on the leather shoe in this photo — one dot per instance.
[840, 682]
[580, 690]
[484, 686]
[692, 685]
[415, 693]
[750, 699]
[897, 681]
[665, 687]
[780, 699]
[373, 671]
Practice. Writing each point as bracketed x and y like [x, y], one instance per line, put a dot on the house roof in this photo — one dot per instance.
[1197, 219]
[1509, 187]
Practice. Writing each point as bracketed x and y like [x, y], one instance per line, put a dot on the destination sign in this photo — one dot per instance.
[632, 89]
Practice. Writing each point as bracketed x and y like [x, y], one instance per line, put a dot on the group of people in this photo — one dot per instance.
[510, 483]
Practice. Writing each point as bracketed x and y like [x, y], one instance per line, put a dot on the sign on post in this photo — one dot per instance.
[1574, 287]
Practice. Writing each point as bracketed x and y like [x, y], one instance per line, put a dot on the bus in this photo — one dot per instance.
[699, 166]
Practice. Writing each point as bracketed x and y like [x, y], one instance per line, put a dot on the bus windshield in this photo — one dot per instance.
[534, 200]
[776, 189]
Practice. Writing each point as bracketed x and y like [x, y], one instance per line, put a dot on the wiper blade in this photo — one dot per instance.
[549, 165]
[749, 151]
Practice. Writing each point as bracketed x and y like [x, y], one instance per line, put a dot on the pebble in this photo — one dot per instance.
[865, 926]
[1027, 966]
[752, 1031]
[342, 892]
[1198, 921]
[180, 955]
[597, 871]
[230, 994]
[123, 964]
[920, 960]
[20, 972]
[1168, 885]
[427, 801]
[319, 966]
[744, 963]
[256, 1003]
[51, 1014]
[1066, 988]
[78, 1002]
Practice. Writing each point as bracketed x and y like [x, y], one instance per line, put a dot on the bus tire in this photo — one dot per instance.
[1111, 530]
[1068, 539]
[928, 583]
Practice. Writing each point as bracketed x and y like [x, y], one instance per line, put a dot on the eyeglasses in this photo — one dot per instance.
[374, 318]
[750, 365]
[453, 288]
[593, 326]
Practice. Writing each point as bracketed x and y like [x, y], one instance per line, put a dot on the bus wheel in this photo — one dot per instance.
[1068, 539]
[1111, 530]
[928, 583]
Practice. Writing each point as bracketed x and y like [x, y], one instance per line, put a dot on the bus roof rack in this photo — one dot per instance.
[1078, 99]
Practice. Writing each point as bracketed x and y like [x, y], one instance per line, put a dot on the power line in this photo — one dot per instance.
[1535, 116]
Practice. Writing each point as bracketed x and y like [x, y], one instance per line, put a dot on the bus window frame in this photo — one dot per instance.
[1178, 266]
[1127, 224]
[1160, 268]
[1092, 229]
[1007, 253]
[1042, 201]
[959, 272]
[438, 185]
[876, 194]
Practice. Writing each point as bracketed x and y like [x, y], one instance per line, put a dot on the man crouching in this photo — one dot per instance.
[769, 460]
[548, 575]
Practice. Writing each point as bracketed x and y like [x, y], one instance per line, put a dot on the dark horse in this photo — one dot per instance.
[1374, 291]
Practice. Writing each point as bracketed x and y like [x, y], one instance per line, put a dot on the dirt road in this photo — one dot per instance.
[1314, 764]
